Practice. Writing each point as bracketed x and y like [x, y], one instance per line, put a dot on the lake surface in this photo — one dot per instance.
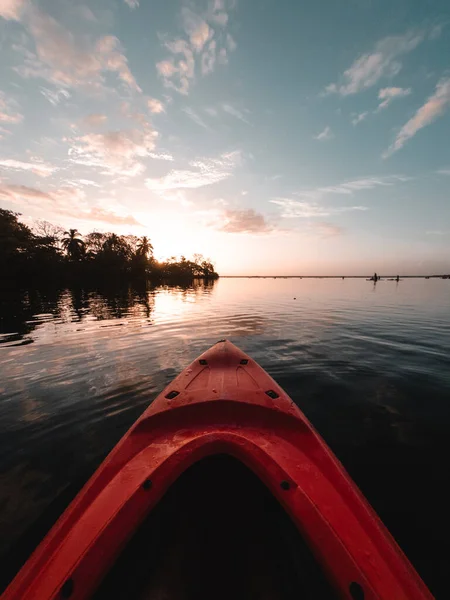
[368, 364]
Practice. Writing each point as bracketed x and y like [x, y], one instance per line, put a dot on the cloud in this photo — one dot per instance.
[359, 117]
[161, 156]
[132, 3]
[106, 216]
[116, 152]
[208, 59]
[13, 193]
[216, 13]
[326, 134]
[350, 187]
[177, 74]
[55, 96]
[38, 168]
[243, 221]
[204, 48]
[190, 112]
[197, 29]
[206, 171]
[234, 112]
[434, 107]
[388, 94]
[11, 10]
[68, 201]
[295, 209]
[436, 232]
[325, 229]
[94, 120]
[68, 60]
[231, 44]
[443, 171]
[155, 106]
[384, 61]
[8, 111]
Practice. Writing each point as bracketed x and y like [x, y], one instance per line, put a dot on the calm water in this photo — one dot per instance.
[369, 365]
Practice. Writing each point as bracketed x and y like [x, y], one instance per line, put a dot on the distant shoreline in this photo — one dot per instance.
[443, 276]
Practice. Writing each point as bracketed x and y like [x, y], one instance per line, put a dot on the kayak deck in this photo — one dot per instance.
[224, 403]
[218, 533]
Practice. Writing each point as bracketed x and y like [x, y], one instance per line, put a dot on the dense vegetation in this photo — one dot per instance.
[48, 253]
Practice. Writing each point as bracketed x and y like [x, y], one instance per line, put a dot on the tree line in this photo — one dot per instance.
[48, 253]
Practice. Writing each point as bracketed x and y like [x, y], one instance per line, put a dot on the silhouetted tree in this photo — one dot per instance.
[73, 245]
[39, 254]
[145, 247]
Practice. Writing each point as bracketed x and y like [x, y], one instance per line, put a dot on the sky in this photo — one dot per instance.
[276, 137]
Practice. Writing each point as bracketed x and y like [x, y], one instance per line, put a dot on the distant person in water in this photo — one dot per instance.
[397, 279]
[375, 277]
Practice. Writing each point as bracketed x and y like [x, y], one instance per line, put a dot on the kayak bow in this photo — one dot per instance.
[222, 437]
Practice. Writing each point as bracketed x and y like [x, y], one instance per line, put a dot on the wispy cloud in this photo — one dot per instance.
[324, 229]
[11, 10]
[295, 209]
[208, 60]
[436, 232]
[195, 117]
[115, 152]
[8, 110]
[203, 172]
[94, 120]
[132, 3]
[357, 118]
[234, 112]
[212, 112]
[388, 94]
[382, 62]
[56, 96]
[196, 28]
[324, 135]
[67, 201]
[443, 171]
[350, 187]
[38, 168]
[69, 60]
[434, 107]
[177, 73]
[155, 106]
[107, 216]
[204, 47]
[243, 221]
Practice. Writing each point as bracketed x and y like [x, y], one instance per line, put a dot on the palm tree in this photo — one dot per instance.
[73, 245]
[145, 247]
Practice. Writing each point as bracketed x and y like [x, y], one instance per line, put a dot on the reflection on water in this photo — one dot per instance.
[369, 365]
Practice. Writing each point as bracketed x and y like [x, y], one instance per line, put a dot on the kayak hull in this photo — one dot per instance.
[222, 404]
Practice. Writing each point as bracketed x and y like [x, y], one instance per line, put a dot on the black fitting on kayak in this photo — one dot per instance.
[172, 394]
[147, 484]
[356, 591]
[67, 589]
[272, 394]
[202, 361]
[285, 485]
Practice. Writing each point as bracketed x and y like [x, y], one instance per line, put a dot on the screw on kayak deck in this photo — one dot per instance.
[272, 394]
[244, 361]
[285, 485]
[67, 589]
[147, 484]
[172, 394]
[356, 591]
[202, 361]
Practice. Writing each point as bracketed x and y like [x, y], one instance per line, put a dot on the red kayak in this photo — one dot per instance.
[221, 490]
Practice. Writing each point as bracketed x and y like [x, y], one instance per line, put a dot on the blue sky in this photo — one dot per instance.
[275, 136]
